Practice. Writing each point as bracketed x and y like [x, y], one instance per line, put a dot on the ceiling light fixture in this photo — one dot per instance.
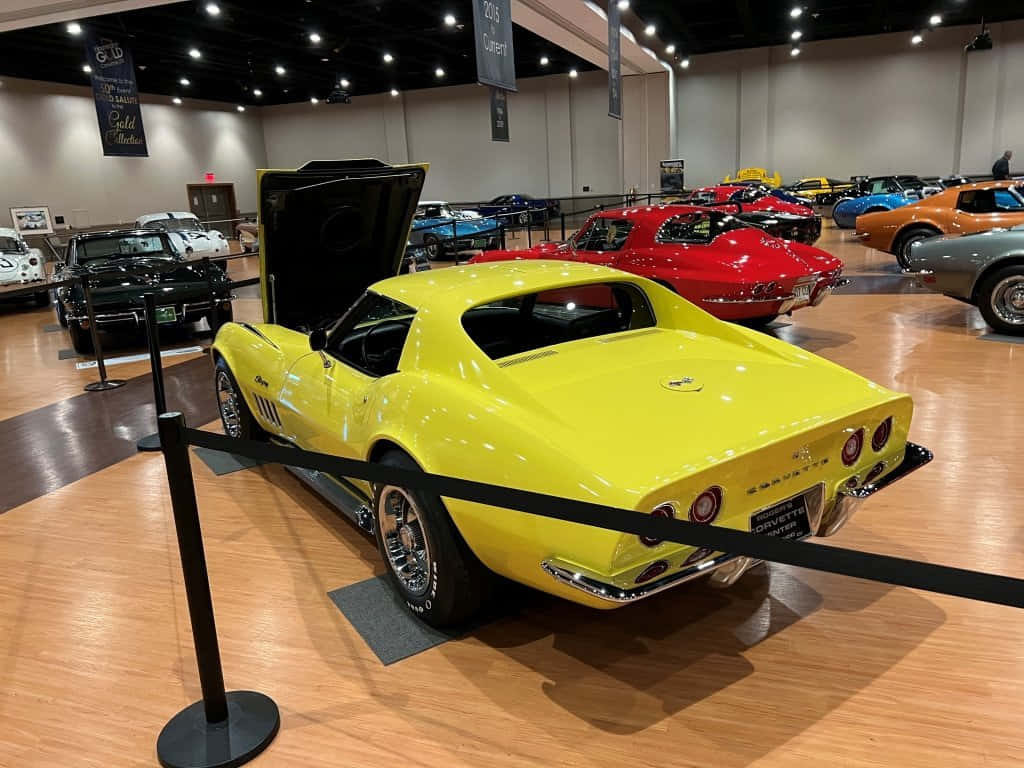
[86, 68]
[257, 92]
[314, 100]
[74, 28]
[650, 29]
[185, 81]
[623, 5]
[573, 73]
[439, 72]
[394, 91]
[794, 51]
[935, 20]
[176, 100]
[279, 69]
[685, 63]
[213, 9]
[195, 53]
[544, 61]
[449, 20]
[344, 83]
[796, 12]
[240, 108]
[670, 48]
[917, 39]
[388, 58]
[314, 38]
[797, 34]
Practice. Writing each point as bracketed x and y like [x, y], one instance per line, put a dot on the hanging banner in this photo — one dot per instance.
[614, 66]
[116, 97]
[495, 57]
[499, 115]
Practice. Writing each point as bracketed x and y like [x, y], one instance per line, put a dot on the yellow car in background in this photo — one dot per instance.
[820, 190]
[758, 175]
[562, 378]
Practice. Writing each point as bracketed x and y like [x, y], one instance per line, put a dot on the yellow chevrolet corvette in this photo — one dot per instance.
[820, 190]
[759, 175]
[562, 378]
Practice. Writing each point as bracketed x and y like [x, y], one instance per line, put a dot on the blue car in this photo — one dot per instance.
[520, 209]
[878, 193]
[439, 229]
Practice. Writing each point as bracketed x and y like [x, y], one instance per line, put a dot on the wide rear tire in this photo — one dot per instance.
[905, 241]
[1001, 300]
[429, 564]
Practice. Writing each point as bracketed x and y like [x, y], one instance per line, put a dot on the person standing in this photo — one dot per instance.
[1001, 169]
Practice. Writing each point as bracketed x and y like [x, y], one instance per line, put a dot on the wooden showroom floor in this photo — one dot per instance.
[789, 667]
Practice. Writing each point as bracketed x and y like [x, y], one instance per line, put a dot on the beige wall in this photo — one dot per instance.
[50, 154]
[866, 105]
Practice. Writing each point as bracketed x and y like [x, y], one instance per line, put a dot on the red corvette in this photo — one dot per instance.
[748, 198]
[728, 268]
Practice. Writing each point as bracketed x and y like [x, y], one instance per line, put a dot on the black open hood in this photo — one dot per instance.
[328, 231]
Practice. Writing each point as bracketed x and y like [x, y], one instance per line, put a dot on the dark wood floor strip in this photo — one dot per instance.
[45, 449]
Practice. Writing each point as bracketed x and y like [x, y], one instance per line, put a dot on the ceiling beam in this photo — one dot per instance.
[18, 14]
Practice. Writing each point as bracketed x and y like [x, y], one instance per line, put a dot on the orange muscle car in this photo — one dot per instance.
[955, 211]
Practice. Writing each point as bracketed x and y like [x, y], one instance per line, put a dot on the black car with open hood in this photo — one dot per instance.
[328, 231]
[121, 267]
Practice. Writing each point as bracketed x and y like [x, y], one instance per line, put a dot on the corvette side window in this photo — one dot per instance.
[371, 336]
[977, 201]
[607, 234]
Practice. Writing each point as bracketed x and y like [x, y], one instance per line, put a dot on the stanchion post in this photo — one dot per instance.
[152, 442]
[562, 216]
[529, 230]
[223, 728]
[94, 333]
[501, 233]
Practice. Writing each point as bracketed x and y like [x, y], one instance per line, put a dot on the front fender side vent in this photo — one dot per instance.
[527, 358]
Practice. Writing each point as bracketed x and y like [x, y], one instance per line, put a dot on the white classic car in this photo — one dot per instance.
[20, 264]
[185, 231]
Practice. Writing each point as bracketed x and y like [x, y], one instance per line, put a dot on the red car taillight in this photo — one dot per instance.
[706, 506]
[852, 448]
[653, 570]
[662, 510]
[881, 435]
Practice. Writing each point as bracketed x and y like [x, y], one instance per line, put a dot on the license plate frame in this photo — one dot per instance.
[802, 294]
[166, 315]
[788, 519]
[479, 242]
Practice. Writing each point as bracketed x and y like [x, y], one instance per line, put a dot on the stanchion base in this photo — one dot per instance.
[101, 386]
[149, 443]
[188, 741]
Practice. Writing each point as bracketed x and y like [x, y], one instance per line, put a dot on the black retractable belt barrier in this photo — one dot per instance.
[223, 729]
[152, 442]
[959, 582]
[94, 333]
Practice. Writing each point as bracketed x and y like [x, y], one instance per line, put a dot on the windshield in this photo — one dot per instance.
[121, 247]
[11, 245]
[434, 212]
[698, 227]
[188, 224]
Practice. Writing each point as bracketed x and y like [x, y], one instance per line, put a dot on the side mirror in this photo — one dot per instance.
[318, 339]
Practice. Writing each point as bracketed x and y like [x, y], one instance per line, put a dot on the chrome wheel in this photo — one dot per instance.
[1007, 300]
[433, 246]
[227, 401]
[401, 525]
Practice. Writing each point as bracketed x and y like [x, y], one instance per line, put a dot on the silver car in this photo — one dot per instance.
[985, 269]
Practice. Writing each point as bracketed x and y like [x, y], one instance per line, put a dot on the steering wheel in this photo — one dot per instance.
[373, 360]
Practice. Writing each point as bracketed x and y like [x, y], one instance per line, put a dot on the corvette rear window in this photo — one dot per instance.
[531, 321]
[697, 227]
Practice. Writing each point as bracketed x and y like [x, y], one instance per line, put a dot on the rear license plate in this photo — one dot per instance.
[802, 293]
[787, 520]
[480, 242]
[166, 315]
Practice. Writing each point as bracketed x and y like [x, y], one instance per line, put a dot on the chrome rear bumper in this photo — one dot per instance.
[727, 568]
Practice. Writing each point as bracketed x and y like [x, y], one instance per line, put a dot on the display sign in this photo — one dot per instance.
[499, 115]
[672, 172]
[614, 62]
[495, 57]
[117, 98]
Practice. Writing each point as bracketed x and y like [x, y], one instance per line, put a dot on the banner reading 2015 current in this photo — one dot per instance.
[117, 98]
[495, 56]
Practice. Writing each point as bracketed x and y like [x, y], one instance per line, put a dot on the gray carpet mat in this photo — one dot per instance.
[53, 328]
[1002, 338]
[67, 354]
[221, 463]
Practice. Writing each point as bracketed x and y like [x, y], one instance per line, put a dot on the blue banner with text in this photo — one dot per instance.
[117, 98]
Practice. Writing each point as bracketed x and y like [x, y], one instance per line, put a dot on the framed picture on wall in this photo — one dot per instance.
[32, 220]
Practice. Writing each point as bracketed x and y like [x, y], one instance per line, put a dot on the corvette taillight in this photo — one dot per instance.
[881, 435]
[653, 570]
[852, 448]
[662, 510]
[706, 506]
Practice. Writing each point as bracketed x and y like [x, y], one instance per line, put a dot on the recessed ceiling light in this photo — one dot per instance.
[279, 69]
[314, 38]
[439, 72]
[685, 63]
[623, 5]
[394, 91]
[257, 92]
[935, 20]
[670, 48]
[449, 20]
[86, 68]
[213, 9]
[314, 100]
[240, 108]
[650, 29]
[797, 34]
[388, 58]
[344, 83]
[324, 58]
[794, 51]
[74, 28]
[185, 81]
[573, 73]
[796, 12]
[917, 39]
[176, 100]
[195, 53]
[544, 61]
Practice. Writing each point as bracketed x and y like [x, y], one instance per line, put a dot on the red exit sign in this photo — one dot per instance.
[210, 177]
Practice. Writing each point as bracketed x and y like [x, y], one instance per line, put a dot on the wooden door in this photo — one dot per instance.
[214, 204]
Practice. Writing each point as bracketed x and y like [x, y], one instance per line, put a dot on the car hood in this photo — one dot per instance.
[130, 279]
[329, 230]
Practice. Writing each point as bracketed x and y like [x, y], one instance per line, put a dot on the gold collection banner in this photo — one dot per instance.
[117, 98]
